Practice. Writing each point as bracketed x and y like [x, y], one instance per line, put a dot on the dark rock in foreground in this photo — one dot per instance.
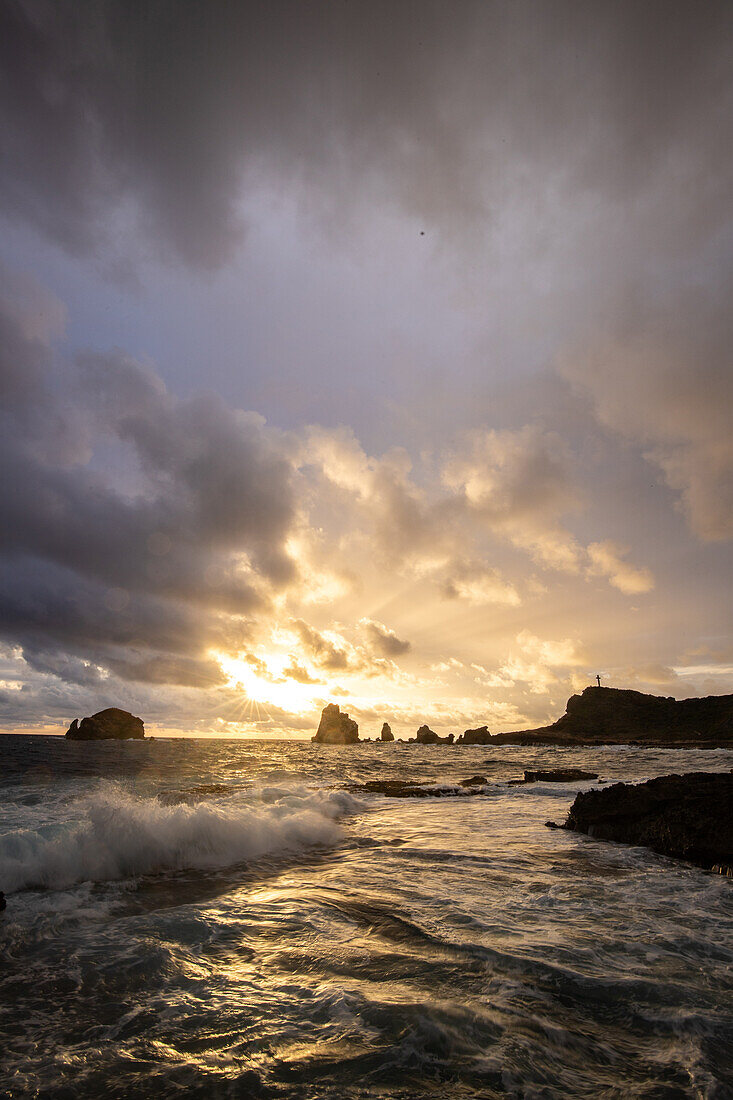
[480, 736]
[554, 775]
[688, 817]
[386, 734]
[336, 728]
[408, 788]
[111, 724]
[614, 716]
[475, 781]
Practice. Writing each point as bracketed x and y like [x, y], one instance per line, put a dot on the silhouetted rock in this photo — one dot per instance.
[3, 902]
[688, 817]
[426, 736]
[408, 788]
[474, 781]
[336, 728]
[111, 724]
[386, 734]
[615, 716]
[480, 736]
[554, 775]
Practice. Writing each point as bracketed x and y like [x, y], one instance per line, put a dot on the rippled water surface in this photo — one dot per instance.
[221, 918]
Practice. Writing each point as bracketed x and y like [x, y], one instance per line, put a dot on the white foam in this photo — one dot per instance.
[116, 835]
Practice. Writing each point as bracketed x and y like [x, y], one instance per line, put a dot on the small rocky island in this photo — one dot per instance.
[111, 724]
[687, 817]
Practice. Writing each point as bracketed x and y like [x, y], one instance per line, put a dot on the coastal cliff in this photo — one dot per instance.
[603, 715]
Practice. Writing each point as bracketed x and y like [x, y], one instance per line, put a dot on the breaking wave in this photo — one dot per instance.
[117, 835]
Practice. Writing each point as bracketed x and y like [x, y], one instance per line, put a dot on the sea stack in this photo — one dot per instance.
[426, 736]
[111, 724]
[336, 728]
[386, 734]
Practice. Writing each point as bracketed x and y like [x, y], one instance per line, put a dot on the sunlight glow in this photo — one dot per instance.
[265, 680]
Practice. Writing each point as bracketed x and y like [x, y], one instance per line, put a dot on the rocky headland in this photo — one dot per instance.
[111, 724]
[688, 817]
[603, 715]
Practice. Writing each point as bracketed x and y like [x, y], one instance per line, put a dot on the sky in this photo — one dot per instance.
[363, 352]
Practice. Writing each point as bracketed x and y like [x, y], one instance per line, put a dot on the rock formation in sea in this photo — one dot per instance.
[386, 734]
[480, 736]
[598, 716]
[111, 724]
[612, 715]
[336, 728]
[426, 736]
[688, 817]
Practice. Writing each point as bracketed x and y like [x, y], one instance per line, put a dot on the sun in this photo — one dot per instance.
[265, 680]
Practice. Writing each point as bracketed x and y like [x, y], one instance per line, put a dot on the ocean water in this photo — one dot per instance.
[228, 918]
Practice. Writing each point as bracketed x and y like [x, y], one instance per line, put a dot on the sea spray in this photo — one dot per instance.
[114, 834]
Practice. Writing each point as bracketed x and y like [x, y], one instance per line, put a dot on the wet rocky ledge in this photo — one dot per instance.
[554, 775]
[687, 817]
[475, 784]
[411, 788]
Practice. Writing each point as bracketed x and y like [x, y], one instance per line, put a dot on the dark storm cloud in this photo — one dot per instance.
[138, 529]
[663, 378]
[176, 107]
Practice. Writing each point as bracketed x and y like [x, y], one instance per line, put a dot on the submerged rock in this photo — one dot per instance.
[475, 781]
[408, 788]
[336, 728]
[107, 725]
[386, 734]
[426, 736]
[479, 736]
[688, 817]
[554, 775]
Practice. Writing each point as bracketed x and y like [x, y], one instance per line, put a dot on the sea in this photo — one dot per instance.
[235, 918]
